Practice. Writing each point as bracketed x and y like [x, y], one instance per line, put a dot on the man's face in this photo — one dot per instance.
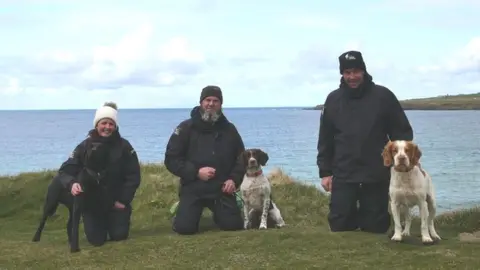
[210, 109]
[353, 77]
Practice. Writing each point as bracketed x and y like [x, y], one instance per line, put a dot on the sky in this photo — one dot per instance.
[160, 54]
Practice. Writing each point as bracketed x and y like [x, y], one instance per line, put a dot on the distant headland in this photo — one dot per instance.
[446, 102]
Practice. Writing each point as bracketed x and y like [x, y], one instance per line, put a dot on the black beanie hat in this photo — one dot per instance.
[351, 59]
[211, 91]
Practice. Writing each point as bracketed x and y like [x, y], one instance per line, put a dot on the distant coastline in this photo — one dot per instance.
[446, 102]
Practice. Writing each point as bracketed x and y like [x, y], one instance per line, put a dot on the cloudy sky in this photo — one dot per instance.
[159, 54]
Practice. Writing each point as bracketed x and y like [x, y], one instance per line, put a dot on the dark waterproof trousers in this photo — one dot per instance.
[359, 206]
[114, 225]
[226, 213]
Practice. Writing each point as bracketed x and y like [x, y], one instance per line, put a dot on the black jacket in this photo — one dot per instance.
[355, 125]
[195, 144]
[118, 161]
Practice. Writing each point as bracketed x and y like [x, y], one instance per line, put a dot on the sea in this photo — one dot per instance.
[450, 141]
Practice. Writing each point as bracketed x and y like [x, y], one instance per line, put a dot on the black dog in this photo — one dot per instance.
[57, 194]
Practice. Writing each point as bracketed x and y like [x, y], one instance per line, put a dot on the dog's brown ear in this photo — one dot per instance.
[416, 154]
[243, 157]
[387, 154]
[262, 157]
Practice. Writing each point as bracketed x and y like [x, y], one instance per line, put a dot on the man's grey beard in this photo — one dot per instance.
[210, 117]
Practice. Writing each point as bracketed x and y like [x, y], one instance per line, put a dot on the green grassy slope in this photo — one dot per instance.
[305, 243]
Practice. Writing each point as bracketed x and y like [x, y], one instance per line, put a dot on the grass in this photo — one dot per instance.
[447, 102]
[305, 244]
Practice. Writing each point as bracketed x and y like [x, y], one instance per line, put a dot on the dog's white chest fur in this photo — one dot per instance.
[254, 190]
[405, 190]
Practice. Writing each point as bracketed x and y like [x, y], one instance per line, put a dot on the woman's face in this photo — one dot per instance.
[106, 127]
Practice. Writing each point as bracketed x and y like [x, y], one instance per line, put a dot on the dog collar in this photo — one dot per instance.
[257, 173]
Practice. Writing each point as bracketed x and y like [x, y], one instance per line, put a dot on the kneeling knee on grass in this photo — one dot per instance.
[225, 210]
[101, 227]
[354, 206]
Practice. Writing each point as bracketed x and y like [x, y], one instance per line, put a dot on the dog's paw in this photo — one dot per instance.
[435, 237]
[406, 233]
[396, 238]
[263, 226]
[427, 240]
[280, 225]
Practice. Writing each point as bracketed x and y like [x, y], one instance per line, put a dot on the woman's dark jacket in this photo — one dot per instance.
[116, 161]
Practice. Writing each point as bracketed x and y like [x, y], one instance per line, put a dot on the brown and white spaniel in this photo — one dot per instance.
[256, 191]
[410, 186]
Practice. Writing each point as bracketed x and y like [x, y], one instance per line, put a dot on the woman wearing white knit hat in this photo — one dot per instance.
[105, 120]
[106, 206]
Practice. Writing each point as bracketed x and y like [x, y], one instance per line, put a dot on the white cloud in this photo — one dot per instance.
[428, 4]
[120, 61]
[467, 59]
[314, 21]
[460, 62]
[140, 55]
[11, 88]
[178, 49]
[353, 45]
[458, 72]
[134, 60]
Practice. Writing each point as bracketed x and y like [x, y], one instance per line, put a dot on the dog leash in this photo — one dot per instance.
[238, 197]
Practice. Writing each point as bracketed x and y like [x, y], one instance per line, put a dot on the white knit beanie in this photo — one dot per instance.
[108, 110]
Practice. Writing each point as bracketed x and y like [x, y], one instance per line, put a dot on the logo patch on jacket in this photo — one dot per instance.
[177, 131]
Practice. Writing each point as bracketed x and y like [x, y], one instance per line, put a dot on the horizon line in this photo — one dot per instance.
[159, 108]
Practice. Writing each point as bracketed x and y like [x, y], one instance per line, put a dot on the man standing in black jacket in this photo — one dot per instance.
[356, 122]
[203, 151]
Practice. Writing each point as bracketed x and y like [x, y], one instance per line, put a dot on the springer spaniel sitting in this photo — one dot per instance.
[256, 191]
[410, 186]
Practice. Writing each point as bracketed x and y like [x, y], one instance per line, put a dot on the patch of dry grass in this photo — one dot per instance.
[279, 177]
[305, 244]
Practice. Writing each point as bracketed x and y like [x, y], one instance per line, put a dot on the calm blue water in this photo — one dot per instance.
[36, 140]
